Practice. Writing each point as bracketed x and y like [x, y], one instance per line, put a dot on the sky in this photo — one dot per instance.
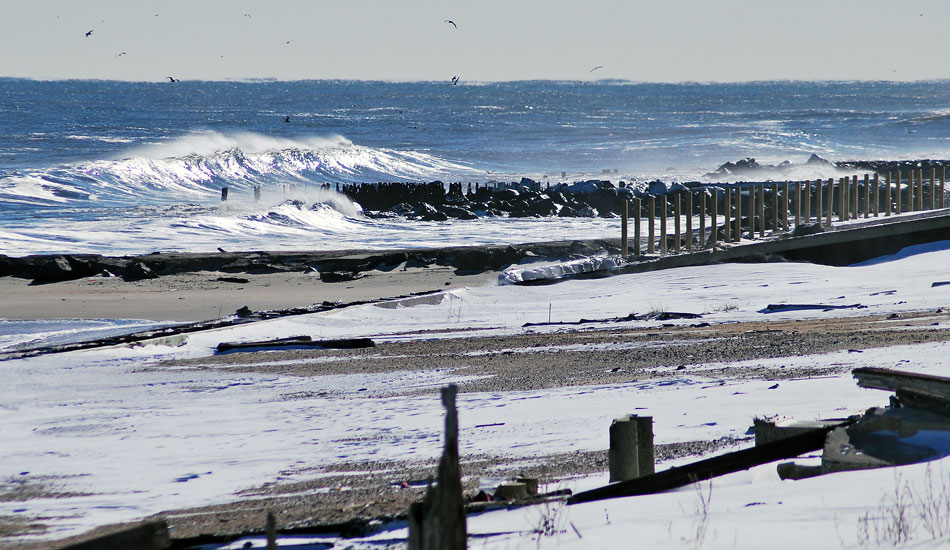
[492, 40]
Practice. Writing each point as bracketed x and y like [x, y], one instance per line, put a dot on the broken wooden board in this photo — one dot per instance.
[296, 342]
[728, 463]
[894, 380]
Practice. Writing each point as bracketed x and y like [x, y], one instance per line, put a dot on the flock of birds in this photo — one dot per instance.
[455, 79]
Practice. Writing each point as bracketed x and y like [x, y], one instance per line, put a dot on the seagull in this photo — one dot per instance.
[597, 67]
[452, 22]
[455, 80]
[287, 118]
[88, 34]
[120, 54]
[172, 79]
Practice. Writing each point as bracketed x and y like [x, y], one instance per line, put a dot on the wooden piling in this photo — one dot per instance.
[714, 226]
[920, 189]
[651, 210]
[689, 220]
[785, 207]
[727, 216]
[933, 187]
[900, 194]
[761, 205]
[271, 530]
[702, 219]
[636, 227]
[631, 447]
[910, 191]
[877, 194]
[943, 177]
[843, 199]
[806, 215]
[737, 234]
[797, 196]
[257, 193]
[438, 522]
[677, 212]
[775, 222]
[224, 194]
[867, 196]
[752, 212]
[663, 247]
[831, 201]
[854, 203]
[623, 227]
[887, 193]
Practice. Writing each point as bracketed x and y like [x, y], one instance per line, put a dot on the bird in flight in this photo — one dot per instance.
[172, 79]
[452, 22]
[455, 80]
[597, 67]
[120, 54]
[89, 33]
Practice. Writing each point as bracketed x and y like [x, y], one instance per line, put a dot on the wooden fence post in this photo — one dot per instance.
[887, 193]
[761, 201]
[775, 222]
[843, 199]
[689, 220]
[920, 189]
[678, 212]
[636, 227]
[737, 234]
[910, 191]
[877, 194]
[785, 198]
[933, 187]
[867, 196]
[438, 522]
[651, 244]
[752, 212]
[663, 224]
[702, 219]
[624, 213]
[727, 216]
[631, 447]
[224, 194]
[831, 201]
[797, 196]
[714, 226]
[854, 202]
[943, 177]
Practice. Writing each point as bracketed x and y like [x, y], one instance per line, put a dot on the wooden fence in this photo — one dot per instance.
[758, 210]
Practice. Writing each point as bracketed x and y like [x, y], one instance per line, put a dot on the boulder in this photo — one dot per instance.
[138, 271]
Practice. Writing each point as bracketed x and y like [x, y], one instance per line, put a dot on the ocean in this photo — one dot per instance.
[130, 168]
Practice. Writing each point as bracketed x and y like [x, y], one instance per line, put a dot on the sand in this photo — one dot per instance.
[207, 295]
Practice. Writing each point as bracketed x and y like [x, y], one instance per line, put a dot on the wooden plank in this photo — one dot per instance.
[736, 461]
[298, 342]
[894, 380]
[150, 535]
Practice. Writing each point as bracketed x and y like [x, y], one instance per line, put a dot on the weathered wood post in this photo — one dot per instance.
[271, 530]
[636, 227]
[752, 212]
[797, 196]
[224, 194]
[631, 447]
[438, 522]
[818, 195]
[943, 177]
[910, 191]
[257, 193]
[623, 227]
[737, 234]
[677, 212]
[807, 198]
[663, 215]
[689, 220]
[877, 194]
[761, 201]
[775, 222]
[887, 193]
[727, 216]
[785, 206]
[702, 219]
[651, 206]
[867, 196]
[899, 200]
[920, 189]
[714, 226]
[831, 201]
[843, 199]
[933, 187]
[854, 204]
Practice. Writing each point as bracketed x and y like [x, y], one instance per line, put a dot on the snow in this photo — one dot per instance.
[126, 439]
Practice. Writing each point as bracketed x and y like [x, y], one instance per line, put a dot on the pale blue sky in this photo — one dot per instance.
[656, 41]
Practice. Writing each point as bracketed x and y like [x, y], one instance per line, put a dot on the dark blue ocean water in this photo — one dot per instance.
[74, 150]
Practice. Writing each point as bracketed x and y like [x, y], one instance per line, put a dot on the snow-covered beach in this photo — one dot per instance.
[118, 434]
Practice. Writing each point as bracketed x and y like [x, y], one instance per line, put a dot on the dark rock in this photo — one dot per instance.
[54, 271]
[428, 213]
[339, 276]
[807, 229]
[244, 312]
[138, 271]
[815, 159]
[457, 212]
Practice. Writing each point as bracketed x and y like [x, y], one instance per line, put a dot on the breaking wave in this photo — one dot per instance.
[195, 167]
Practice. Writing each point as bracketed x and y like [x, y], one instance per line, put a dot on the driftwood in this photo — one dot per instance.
[895, 380]
[296, 342]
[709, 468]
